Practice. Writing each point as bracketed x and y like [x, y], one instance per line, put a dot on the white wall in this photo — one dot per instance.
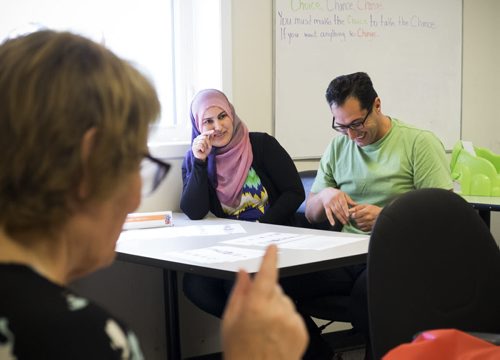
[481, 75]
[252, 63]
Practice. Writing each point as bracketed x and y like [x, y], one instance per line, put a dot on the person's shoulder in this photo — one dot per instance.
[59, 323]
[262, 139]
[20, 282]
[100, 334]
[403, 126]
[413, 132]
[83, 313]
[340, 143]
[53, 303]
[257, 135]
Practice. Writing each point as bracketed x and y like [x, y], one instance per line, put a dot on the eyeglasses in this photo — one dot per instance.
[153, 172]
[355, 125]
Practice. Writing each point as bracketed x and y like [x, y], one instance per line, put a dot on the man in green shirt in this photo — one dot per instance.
[374, 160]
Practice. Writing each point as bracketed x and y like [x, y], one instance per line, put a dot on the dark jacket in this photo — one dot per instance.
[276, 171]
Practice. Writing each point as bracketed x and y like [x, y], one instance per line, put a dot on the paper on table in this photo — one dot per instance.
[293, 241]
[313, 242]
[177, 231]
[215, 254]
[264, 239]
[211, 230]
[134, 239]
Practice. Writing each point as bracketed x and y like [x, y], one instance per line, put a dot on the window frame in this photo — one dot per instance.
[163, 134]
[178, 89]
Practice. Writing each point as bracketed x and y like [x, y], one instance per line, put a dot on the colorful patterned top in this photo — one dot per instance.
[254, 200]
[271, 163]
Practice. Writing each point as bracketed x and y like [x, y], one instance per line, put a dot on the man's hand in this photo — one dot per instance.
[260, 321]
[336, 204]
[365, 215]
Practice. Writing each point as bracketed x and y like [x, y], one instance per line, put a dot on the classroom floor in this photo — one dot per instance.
[350, 355]
[348, 347]
[358, 354]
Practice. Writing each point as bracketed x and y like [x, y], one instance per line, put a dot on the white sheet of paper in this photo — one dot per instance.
[215, 254]
[177, 231]
[264, 239]
[147, 234]
[211, 230]
[312, 242]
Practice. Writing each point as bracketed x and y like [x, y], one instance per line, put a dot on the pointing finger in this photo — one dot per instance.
[267, 277]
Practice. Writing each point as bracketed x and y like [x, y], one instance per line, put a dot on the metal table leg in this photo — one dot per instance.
[171, 315]
[486, 216]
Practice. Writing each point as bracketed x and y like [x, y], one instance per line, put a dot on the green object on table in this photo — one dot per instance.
[477, 174]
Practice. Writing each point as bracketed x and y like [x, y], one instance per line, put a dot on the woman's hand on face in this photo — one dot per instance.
[202, 145]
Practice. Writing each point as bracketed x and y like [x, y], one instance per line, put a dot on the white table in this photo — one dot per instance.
[152, 252]
[484, 205]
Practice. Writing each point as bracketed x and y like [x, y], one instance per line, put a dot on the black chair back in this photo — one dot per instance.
[432, 263]
[307, 177]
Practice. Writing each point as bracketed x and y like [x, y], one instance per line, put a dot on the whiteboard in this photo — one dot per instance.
[412, 51]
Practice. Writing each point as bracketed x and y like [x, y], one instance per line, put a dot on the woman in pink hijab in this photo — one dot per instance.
[244, 175]
[235, 173]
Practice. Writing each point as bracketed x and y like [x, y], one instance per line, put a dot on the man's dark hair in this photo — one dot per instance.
[357, 85]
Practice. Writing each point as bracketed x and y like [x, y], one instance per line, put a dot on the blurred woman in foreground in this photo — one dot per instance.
[73, 138]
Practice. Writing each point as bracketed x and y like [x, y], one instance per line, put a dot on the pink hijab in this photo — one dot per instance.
[233, 161]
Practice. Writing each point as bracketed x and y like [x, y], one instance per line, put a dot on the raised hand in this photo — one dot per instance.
[260, 321]
[202, 145]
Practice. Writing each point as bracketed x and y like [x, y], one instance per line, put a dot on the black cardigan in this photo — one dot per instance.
[276, 171]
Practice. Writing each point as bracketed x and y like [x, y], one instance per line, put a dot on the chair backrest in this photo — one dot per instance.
[307, 177]
[432, 263]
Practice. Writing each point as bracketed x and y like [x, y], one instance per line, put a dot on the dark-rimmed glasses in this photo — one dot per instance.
[153, 172]
[355, 125]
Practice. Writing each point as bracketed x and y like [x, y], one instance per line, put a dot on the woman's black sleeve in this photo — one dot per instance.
[281, 169]
[195, 200]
